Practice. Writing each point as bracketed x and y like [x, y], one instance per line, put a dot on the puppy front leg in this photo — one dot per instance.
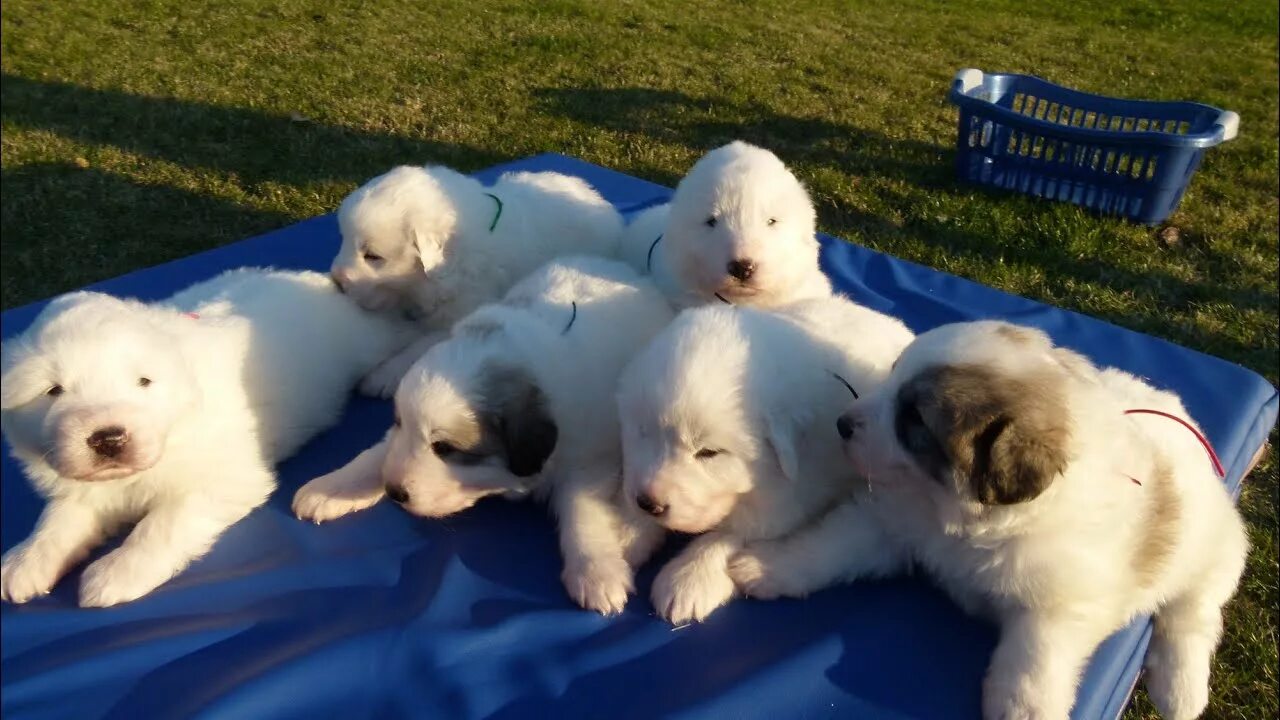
[696, 582]
[846, 544]
[385, 378]
[161, 545]
[596, 573]
[64, 535]
[1036, 666]
[351, 488]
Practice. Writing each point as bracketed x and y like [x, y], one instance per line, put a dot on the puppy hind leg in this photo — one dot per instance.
[1036, 666]
[351, 488]
[596, 574]
[384, 379]
[1186, 633]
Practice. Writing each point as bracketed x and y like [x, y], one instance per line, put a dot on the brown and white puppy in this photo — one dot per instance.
[1009, 470]
[519, 401]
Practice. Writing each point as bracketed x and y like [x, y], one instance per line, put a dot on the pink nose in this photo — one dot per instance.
[340, 278]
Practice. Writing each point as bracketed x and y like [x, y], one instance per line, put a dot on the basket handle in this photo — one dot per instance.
[1230, 124]
[966, 80]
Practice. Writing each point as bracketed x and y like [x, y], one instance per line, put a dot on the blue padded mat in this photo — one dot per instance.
[381, 614]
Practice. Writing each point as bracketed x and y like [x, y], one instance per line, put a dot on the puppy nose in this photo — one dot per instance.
[109, 441]
[649, 505]
[397, 493]
[741, 269]
[845, 426]
[340, 278]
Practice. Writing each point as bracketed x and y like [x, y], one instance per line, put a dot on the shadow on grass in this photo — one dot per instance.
[66, 226]
[706, 122]
[253, 146]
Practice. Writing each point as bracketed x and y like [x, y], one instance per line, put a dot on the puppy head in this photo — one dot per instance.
[741, 225]
[695, 443]
[394, 231]
[465, 430]
[973, 416]
[92, 390]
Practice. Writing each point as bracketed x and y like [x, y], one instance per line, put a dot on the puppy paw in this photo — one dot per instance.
[756, 574]
[598, 585]
[325, 499]
[684, 593]
[27, 574]
[116, 578]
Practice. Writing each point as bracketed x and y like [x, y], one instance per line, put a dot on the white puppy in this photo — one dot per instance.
[437, 244]
[519, 401]
[1014, 472]
[727, 424]
[171, 416]
[739, 229]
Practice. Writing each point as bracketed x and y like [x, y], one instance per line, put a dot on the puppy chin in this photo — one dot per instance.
[441, 503]
[372, 297]
[697, 521]
[104, 471]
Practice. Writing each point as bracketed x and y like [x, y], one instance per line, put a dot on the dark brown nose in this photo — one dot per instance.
[108, 442]
[398, 493]
[741, 269]
[847, 426]
[649, 505]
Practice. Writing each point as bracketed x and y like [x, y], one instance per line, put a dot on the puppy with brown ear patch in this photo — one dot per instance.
[726, 430]
[519, 401]
[1017, 474]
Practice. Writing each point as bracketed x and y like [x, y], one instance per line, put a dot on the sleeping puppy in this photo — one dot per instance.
[435, 244]
[171, 416]
[726, 422]
[519, 401]
[739, 229]
[1015, 474]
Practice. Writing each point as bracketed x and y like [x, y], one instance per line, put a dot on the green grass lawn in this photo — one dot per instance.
[138, 132]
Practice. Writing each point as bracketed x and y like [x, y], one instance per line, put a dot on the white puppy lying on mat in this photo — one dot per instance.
[1059, 499]
[437, 244]
[520, 401]
[171, 415]
[739, 229]
[727, 430]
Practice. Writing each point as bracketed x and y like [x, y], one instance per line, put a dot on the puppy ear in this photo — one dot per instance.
[524, 423]
[1006, 437]
[1016, 459]
[781, 434]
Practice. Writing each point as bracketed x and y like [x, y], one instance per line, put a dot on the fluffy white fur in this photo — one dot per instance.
[1060, 570]
[515, 404]
[727, 430]
[198, 410]
[738, 203]
[424, 241]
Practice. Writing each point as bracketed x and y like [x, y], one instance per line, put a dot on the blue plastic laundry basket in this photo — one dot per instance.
[1126, 157]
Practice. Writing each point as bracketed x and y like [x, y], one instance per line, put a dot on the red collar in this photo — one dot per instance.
[1217, 464]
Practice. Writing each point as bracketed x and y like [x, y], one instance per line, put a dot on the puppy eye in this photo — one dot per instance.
[707, 453]
[914, 434]
[54, 391]
[144, 382]
[772, 222]
[372, 257]
[442, 449]
[711, 221]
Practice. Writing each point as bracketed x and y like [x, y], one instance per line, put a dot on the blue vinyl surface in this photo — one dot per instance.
[382, 615]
